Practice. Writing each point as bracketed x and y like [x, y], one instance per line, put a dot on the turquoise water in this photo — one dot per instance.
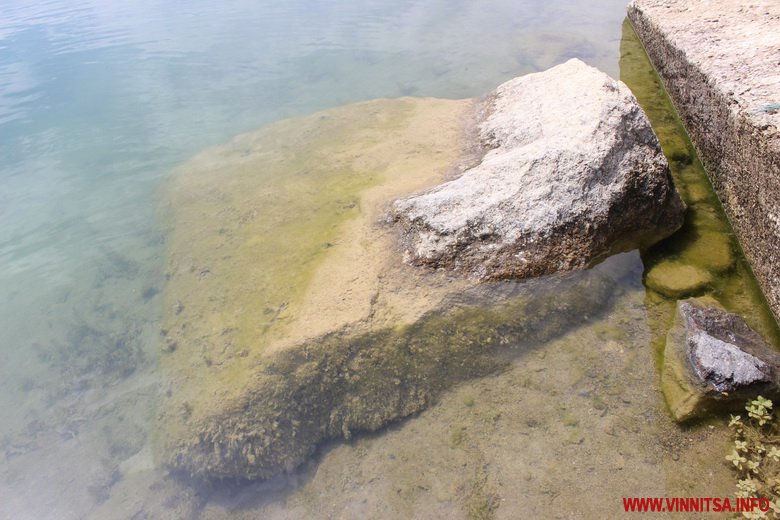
[99, 100]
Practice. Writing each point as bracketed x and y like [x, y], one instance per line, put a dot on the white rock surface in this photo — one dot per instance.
[574, 174]
[725, 364]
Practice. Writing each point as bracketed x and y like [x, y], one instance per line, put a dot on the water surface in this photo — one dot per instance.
[100, 100]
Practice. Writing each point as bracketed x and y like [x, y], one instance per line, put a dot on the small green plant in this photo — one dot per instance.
[760, 410]
[756, 456]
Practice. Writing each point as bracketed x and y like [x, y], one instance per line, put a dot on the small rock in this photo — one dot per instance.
[677, 280]
[714, 361]
[711, 250]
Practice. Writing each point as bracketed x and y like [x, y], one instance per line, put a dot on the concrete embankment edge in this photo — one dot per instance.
[725, 100]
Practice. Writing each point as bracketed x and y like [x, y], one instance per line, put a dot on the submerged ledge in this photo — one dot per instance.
[719, 63]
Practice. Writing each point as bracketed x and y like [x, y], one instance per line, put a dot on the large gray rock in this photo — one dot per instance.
[573, 174]
[714, 361]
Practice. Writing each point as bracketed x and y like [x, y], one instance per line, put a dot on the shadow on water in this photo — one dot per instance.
[706, 242]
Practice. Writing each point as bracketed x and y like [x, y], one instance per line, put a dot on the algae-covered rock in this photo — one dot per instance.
[276, 239]
[344, 383]
[574, 174]
[714, 361]
[676, 280]
[711, 250]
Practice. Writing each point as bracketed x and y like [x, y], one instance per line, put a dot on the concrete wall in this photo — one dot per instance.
[720, 63]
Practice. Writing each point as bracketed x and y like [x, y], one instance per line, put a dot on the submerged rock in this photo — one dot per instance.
[346, 382]
[278, 264]
[677, 280]
[714, 361]
[573, 175]
[711, 250]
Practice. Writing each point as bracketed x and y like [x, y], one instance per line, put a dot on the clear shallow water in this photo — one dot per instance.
[99, 100]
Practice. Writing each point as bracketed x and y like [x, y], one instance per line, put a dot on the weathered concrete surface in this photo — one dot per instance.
[713, 361]
[720, 62]
[574, 174]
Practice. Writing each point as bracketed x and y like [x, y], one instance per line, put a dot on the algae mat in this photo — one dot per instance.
[277, 237]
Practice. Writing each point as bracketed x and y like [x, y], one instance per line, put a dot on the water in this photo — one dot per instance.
[99, 101]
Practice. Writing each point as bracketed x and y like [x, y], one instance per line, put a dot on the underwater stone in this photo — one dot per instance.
[711, 250]
[345, 382]
[714, 361]
[574, 173]
[677, 280]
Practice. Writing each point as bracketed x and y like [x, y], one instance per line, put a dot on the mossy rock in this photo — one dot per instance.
[713, 361]
[677, 280]
[711, 250]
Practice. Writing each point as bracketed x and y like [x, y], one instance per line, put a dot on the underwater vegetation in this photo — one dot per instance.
[756, 456]
[88, 353]
[100, 344]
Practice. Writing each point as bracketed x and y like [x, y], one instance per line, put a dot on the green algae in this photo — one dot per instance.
[706, 241]
[262, 214]
[711, 250]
